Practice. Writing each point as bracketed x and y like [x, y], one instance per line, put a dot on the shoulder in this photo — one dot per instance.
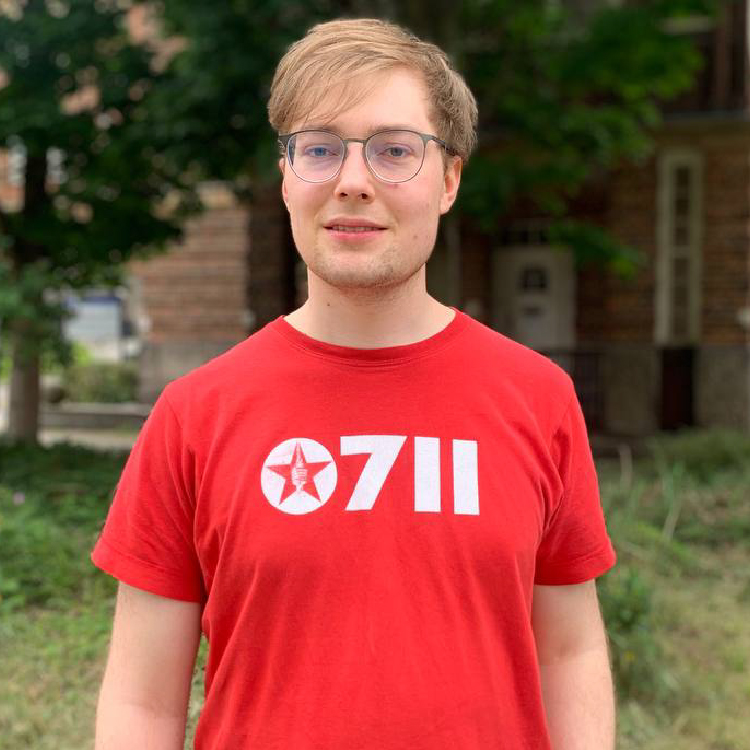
[518, 385]
[223, 377]
[524, 370]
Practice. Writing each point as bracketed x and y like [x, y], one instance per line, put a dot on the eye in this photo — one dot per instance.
[317, 151]
[320, 151]
[394, 151]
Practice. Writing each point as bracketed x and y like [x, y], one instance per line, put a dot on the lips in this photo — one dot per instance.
[353, 229]
[352, 224]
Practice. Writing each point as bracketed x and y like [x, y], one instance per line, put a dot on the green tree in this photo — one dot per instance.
[215, 89]
[563, 95]
[74, 96]
[566, 89]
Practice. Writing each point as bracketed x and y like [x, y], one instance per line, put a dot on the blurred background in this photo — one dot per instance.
[604, 220]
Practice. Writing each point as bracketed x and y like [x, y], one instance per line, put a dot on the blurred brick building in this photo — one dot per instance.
[673, 346]
[668, 348]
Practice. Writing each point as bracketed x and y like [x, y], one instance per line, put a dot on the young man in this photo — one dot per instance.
[382, 514]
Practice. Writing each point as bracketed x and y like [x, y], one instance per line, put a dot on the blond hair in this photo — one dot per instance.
[342, 51]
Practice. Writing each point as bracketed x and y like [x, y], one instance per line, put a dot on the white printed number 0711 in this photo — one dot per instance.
[300, 475]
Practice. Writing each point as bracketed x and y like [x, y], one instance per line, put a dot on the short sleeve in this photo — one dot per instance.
[575, 546]
[147, 540]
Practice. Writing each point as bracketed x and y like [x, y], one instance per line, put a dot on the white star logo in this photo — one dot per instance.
[298, 476]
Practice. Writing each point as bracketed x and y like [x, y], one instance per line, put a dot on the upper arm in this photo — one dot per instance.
[153, 649]
[566, 620]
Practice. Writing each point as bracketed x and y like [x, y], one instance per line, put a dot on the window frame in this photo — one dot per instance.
[667, 251]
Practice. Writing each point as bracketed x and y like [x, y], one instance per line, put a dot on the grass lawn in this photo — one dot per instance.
[702, 628]
[677, 604]
[52, 662]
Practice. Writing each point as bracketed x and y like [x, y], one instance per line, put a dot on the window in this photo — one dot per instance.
[533, 279]
[525, 233]
[678, 262]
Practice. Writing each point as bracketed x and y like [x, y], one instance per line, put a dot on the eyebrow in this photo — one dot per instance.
[368, 131]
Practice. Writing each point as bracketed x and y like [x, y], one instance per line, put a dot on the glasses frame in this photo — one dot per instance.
[284, 140]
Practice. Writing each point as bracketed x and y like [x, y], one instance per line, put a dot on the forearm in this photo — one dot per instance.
[123, 726]
[579, 701]
[146, 687]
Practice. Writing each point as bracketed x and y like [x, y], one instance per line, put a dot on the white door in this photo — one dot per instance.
[534, 296]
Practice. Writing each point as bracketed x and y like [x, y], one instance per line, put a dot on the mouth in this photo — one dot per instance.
[346, 229]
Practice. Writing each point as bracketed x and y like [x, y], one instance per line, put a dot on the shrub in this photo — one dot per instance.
[59, 471]
[691, 491]
[53, 501]
[102, 382]
[703, 453]
[42, 562]
[637, 660]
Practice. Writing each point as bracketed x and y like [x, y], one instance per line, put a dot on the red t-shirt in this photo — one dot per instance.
[364, 528]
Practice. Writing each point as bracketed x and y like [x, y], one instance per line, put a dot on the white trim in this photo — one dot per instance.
[666, 252]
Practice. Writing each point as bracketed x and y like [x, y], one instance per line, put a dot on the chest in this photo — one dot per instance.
[352, 492]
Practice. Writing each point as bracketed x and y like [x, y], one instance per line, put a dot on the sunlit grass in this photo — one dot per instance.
[52, 662]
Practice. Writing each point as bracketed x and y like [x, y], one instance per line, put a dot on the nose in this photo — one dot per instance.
[354, 179]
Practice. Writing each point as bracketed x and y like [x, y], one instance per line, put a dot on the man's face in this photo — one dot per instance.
[406, 212]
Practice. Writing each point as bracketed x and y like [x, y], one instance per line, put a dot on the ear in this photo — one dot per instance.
[284, 191]
[451, 181]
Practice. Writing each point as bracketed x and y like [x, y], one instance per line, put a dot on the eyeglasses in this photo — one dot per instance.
[391, 155]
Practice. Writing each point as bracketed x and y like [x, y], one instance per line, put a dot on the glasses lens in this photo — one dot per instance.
[395, 155]
[316, 155]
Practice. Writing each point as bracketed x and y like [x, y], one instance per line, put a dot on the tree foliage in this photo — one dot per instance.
[76, 83]
[564, 96]
[74, 98]
[209, 112]
[564, 93]
[566, 90]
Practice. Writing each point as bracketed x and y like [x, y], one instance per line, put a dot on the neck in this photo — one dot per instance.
[372, 317]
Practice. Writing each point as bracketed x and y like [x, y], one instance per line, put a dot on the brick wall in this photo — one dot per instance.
[618, 309]
[272, 262]
[197, 290]
[610, 307]
[191, 302]
[618, 314]
[726, 241]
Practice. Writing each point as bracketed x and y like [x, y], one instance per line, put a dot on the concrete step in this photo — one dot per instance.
[94, 416]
